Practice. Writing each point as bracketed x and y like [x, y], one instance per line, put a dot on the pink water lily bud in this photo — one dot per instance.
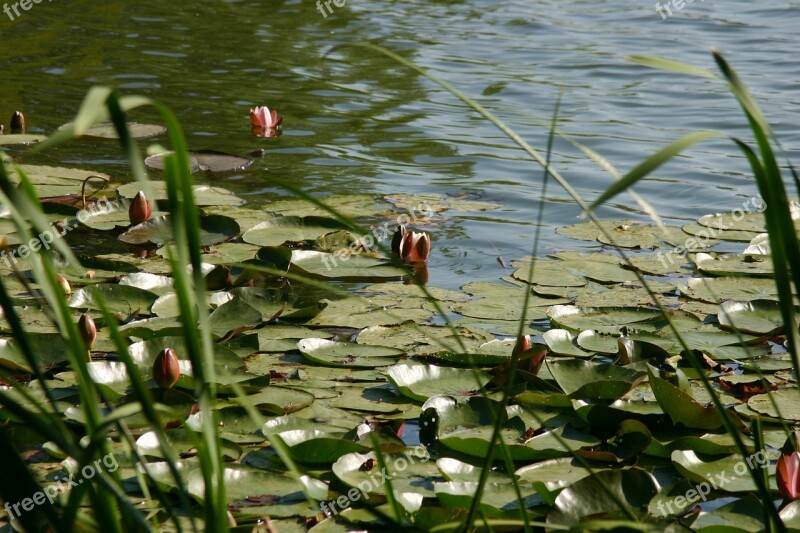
[415, 247]
[17, 122]
[88, 330]
[524, 343]
[166, 369]
[139, 211]
[265, 122]
[787, 474]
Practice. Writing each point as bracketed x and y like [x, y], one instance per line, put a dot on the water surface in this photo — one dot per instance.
[355, 122]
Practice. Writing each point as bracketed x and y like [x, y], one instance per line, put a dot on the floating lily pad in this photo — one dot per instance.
[563, 342]
[733, 265]
[347, 355]
[705, 234]
[597, 381]
[590, 497]
[214, 229]
[716, 290]
[438, 202]
[107, 130]
[624, 233]
[280, 230]
[54, 181]
[204, 195]
[204, 161]
[20, 138]
[350, 205]
[333, 266]
[420, 382]
[600, 318]
[759, 317]
[117, 298]
[786, 404]
[732, 469]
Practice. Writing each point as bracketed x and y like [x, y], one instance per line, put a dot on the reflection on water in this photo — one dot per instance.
[357, 123]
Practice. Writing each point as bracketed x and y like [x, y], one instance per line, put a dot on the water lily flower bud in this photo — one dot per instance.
[787, 474]
[88, 330]
[139, 211]
[166, 369]
[64, 284]
[17, 122]
[524, 343]
[415, 247]
[265, 122]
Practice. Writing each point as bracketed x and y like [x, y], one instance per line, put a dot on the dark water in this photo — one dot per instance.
[355, 122]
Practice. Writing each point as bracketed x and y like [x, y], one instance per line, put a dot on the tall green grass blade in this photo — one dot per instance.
[672, 66]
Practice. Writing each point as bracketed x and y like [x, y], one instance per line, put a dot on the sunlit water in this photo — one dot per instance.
[356, 122]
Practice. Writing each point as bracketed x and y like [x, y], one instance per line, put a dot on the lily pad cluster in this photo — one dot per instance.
[367, 390]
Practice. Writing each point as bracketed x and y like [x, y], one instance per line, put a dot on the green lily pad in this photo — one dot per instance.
[282, 229]
[204, 195]
[730, 473]
[107, 130]
[349, 205]
[786, 400]
[759, 317]
[54, 181]
[360, 313]
[589, 497]
[602, 381]
[204, 161]
[437, 202]
[563, 342]
[733, 265]
[717, 290]
[214, 229]
[117, 298]
[333, 266]
[681, 407]
[20, 138]
[420, 382]
[347, 355]
[576, 318]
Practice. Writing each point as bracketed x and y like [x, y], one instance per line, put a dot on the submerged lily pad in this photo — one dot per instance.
[204, 195]
[107, 130]
[204, 161]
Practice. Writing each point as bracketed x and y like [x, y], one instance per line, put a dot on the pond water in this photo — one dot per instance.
[358, 123]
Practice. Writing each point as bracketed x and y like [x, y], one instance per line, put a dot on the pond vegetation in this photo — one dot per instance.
[203, 365]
